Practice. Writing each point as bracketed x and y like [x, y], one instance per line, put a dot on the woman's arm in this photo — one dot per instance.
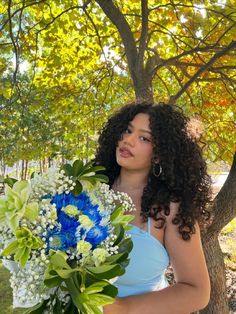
[192, 289]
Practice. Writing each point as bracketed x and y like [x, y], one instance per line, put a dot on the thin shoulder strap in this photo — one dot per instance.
[149, 225]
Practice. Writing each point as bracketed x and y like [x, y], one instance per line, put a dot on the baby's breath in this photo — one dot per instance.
[28, 282]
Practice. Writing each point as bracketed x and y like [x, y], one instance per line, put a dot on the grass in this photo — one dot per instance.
[228, 244]
[6, 294]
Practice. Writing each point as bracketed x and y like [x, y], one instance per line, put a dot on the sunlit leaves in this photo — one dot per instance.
[78, 72]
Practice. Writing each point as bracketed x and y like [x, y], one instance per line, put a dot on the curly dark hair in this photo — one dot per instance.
[184, 178]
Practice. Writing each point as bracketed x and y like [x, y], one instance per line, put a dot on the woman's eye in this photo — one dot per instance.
[145, 139]
[127, 131]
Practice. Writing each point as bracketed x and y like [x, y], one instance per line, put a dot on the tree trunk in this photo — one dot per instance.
[17, 170]
[26, 169]
[40, 166]
[143, 89]
[141, 74]
[223, 211]
[214, 257]
[22, 169]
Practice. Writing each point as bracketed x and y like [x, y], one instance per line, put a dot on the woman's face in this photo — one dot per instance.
[135, 149]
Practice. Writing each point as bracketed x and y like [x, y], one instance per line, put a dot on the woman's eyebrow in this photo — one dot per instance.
[142, 130]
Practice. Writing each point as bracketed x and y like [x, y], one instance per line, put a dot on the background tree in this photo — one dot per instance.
[85, 58]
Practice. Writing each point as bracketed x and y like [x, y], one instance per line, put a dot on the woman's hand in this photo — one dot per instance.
[118, 307]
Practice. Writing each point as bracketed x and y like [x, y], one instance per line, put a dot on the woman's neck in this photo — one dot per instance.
[130, 180]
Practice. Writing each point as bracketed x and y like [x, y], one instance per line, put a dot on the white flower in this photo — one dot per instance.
[83, 247]
[85, 222]
[71, 210]
[99, 256]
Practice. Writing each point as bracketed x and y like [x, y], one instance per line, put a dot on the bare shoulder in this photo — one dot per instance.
[172, 234]
[186, 257]
[174, 208]
[172, 229]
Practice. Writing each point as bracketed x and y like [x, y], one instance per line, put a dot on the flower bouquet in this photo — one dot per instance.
[63, 238]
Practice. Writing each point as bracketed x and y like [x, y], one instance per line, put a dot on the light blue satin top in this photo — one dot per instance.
[148, 262]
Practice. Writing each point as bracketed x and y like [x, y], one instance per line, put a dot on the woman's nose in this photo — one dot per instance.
[130, 139]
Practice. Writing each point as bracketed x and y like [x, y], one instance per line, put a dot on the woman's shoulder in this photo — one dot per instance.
[174, 209]
[172, 227]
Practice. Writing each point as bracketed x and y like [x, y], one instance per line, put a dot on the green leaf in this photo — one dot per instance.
[78, 189]
[10, 249]
[91, 179]
[106, 271]
[96, 287]
[71, 308]
[110, 290]
[52, 282]
[77, 167]
[92, 309]
[118, 217]
[68, 170]
[87, 168]
[24, 257]
[37, 309]
[13, 221]
[117, 212]
[125, 246]
[101, 178]
[119, 232]
[100, 299]
[31, 211]
[98, 168]
[65, 274]
[57, 309]
[59, 260]
[118, 258]
[10, 181]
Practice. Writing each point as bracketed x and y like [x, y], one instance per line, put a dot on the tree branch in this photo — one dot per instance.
[205, 67]
[225, 200]
[117, 18]
[18, 10]
[144, 32]
[98, 36]
[170, 61]
[14, 43]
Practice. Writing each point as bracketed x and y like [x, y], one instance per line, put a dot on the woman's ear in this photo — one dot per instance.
[156, 160]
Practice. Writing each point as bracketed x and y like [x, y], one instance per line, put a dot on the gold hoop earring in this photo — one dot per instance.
[154, 170]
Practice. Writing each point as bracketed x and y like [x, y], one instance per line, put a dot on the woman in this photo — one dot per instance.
[149, 154]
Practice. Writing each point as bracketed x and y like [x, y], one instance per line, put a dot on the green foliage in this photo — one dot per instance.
[77, 71]
[81, 172]
[89, 287]
[229, 227]
[14, 205]
[22, 246]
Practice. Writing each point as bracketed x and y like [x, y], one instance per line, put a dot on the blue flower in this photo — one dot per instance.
[82, 201]
[67, 222]
[93, 213]
[96, 235]
[60, 200]
[61, 240]
[70, 233]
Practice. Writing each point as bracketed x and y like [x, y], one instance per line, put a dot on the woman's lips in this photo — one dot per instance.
[125, 152]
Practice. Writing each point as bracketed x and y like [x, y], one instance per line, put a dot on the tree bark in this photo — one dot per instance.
[141, 75]
[223, 211]
[26, 169]
[215, 260]
[17, 170]
[22, 169]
